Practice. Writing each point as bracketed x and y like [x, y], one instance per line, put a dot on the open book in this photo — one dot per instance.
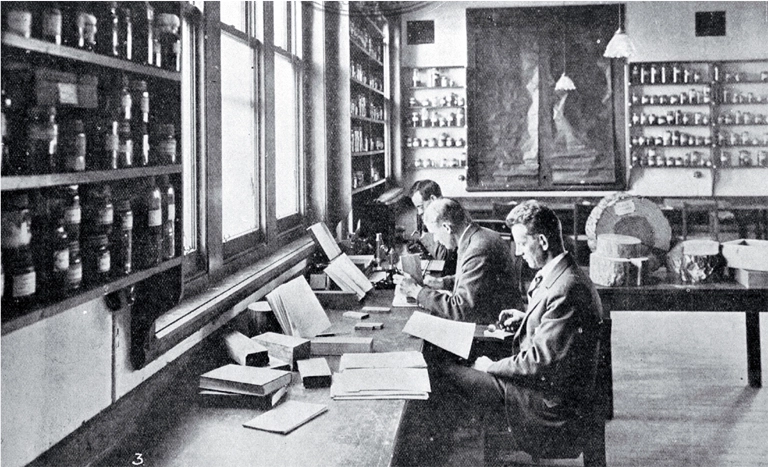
[297, 309]
[341, 269]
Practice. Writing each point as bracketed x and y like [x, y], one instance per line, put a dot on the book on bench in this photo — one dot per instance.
[213, 398]
[240, 379]
[297, 309]
[341, 269]
[287, 417]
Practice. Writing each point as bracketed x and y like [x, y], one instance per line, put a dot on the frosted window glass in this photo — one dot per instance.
[239, 156]
[286, 138]
[233, 14]
[281, 24]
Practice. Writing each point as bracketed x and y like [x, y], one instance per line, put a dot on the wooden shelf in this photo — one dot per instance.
[656, 125]
[743, 103]
[26, 182]
[368, 187]
[433, 107]
[71, 53]
[360, 83]
[44, 311]
[367, 153]
[687, 104]
[434, 147]
[367, 54]
[433, 127]
[419, 88]
[368, 119]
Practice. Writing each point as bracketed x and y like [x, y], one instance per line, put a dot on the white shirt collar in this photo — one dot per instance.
[550, 266]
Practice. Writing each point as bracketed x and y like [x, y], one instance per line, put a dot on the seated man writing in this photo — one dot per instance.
[543, 385]
[485, 281]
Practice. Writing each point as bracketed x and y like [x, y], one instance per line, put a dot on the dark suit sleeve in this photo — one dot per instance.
[557, 334]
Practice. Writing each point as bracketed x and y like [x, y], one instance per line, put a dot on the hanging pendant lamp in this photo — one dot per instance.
[564, 83]
[620, 45]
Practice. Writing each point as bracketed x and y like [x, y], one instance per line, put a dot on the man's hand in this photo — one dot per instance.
[409, 286]
[434, 282]
[510, 319]
[482, 363]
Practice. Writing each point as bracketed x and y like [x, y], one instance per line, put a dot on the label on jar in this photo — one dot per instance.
[155, 217]
[111, 142]
[126, 102]
[166, 148]
[145, 150]
[126, 153]
[61, 260]
[105, 215]
[16, 228]
[68, 93]
[19, 22]
[24, 285]
[126, 222]
[72, 215]
[171, 212]
[103, 262]
[52, 24]
[75, 274]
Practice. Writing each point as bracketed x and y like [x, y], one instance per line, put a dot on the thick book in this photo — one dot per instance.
[315, 373]
[245, 351]
[325, 239]
[297, 309]
[223, 399]
[286, 417]
[245, 379]
[347, 276]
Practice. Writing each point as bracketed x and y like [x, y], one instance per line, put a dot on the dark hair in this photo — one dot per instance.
[446, 210]
[539, 219]
[427, 189]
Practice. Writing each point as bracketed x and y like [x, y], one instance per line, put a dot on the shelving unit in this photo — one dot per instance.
[35, 75]
[370, 104]
[434, 119]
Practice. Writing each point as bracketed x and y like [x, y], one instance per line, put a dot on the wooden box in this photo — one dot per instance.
[751, 279]
[287, 348]
[746, 254]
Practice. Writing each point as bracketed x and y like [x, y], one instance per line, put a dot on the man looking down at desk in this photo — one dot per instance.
[423, 192]
[543, 384]
[485, 281]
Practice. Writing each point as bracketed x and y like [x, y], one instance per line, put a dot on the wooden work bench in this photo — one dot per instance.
[179, 432]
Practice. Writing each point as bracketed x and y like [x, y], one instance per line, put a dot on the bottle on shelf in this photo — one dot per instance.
[169, 218]
[107, 143]
[5, 107]
[73, 146]
[20, 283]
[108, 35]
[97, 259]
[75, 272]
[42, 142]
[149, 236]
[143, 22]
[21, 280]
[18, 20]
[125, 31]
[57, 262]
[85, 27]
[165, 144]
[167, 29]
[125, 151]
[98, 211]
[50, 26]
[122, 238]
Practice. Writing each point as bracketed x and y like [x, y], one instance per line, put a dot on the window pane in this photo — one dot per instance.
[297, 28]
[286, 138]
[281, 24]
[189, 135]
[233, 14]
[239, 156]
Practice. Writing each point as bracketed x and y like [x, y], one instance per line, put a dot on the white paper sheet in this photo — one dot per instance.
[403, 359]
[453, 336]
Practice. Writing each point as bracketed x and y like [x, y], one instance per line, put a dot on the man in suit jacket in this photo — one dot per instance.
[423, 193]
[485, 282]
[543, 385]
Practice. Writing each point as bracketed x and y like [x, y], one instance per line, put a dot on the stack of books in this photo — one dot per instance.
[243, 386]
[341, 269]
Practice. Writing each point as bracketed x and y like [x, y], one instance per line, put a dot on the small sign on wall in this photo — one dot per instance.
[420, 32]
[710, 23]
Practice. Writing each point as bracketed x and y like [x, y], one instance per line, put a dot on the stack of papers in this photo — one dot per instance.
[389, 375]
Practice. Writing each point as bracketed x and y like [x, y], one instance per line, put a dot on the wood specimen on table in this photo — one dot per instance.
[286, 348]
[245, 380]
[339, 345]
[368, 326]
[315, 373]
[213, 398]
[751, 279]
[617, 261]
[618, 246]
[377, 309]
[695, 261]
[245, 351]
[355, 315]
[749, 254]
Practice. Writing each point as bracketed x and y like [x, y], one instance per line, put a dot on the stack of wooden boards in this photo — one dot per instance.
[341, 269]
[617, 261]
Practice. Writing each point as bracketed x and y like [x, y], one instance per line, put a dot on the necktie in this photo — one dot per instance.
[534, 285]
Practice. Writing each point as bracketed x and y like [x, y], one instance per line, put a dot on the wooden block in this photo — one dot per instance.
[356, 315]
[377, 309]
[315, 373]
[337, 299]
[286, 348]
[751, 279]
[747, 254]
[318, 281]
[277, 364]
[617, 272]
[338, 345]
[245, 351]
[618, 246]
[213, 398]
[369, 326]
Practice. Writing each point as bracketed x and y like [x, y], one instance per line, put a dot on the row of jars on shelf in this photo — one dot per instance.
[360, 73]
[134, 31]
[363, 141]
[699, 97]
[677, 117]
[52, 244]
[663, 73]
[359, 178]
[452, 100]
[362, 106]
[431, 79]
[723, 139]
[654, 157]
[434, 119]
[444, 141]
[445, 162]
[364, 38]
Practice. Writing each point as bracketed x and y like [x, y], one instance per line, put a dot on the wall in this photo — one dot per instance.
[659, 30]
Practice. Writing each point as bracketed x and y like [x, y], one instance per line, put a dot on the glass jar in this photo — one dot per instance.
[18, 20]
[149, 237]
[58, 261]
[51, 24]
[97, 261]
[125, 31]
[126, 102]
[75, 272]
[140, 100]
[165, 145]
[125, 151]
[169, 216]
[108, 36]
[42, 141]
[122, 239]
[108, 144]
[98, 211]
[73, 146]
[16, 221]
[21, 281]
[72, 212]
[143, 22]
[86, 27]
[167, 30]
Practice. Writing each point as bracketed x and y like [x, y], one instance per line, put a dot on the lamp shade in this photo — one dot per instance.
[620, 45]
[565, 84]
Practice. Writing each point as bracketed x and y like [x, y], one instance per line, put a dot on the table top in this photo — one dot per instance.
[182, 433]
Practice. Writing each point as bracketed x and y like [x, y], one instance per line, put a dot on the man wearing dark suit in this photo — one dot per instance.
[485, 282]
[423, 192]
[542, 386]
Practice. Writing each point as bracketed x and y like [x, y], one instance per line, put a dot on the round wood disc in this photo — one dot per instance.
[625, 214]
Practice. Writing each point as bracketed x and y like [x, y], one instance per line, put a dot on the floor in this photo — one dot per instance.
[681, 399]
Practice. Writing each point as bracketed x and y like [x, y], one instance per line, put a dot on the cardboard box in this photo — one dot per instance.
[747, 254]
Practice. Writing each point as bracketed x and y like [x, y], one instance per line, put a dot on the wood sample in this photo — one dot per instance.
[747, 254]
[751, 279]
[356, 315]
[287, 417]
[213, 398]
[286, 348]
[338, 345]
[245, 351]
[245, 379]
[618, 246]
[617, 272]
[369, 326]
[315, 373]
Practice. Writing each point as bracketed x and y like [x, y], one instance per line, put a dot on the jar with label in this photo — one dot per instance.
[42, 141]
[97, 260]
[125, 151]
[169, 214]
[98, 211]
[58, 261]
[140, 100]
[460, 118]
[75, 271]
[108, 144]
[51, 24]
[143, 26]
[18, 20]
[125, 102]
[73, 146]
[86, 23]
[122, 238]
[167, 29]
[149, 239]
[434, 120]
[21, 281]
[107, 33]
[71, 212]
[16, 221]
[125, 31]
[424, 117]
